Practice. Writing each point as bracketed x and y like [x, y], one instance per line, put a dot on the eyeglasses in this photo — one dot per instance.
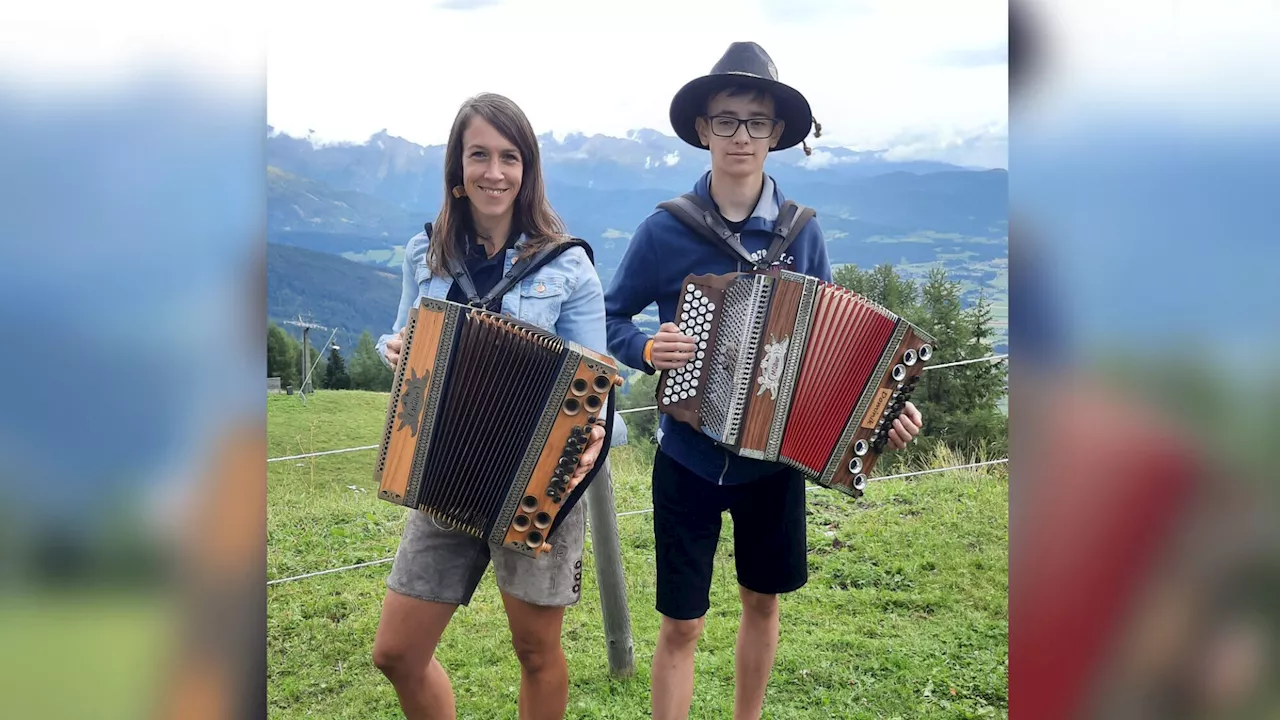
[727, 126]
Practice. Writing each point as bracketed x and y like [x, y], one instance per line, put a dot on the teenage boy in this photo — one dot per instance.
[740, 113]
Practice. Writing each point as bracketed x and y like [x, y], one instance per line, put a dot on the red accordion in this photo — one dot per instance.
[795, 370]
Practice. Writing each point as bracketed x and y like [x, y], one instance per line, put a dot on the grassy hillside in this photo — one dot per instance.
[905, 614]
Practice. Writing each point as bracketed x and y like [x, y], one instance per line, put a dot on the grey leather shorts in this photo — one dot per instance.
[441, 565]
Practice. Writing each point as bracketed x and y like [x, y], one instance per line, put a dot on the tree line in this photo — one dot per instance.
[364, 371]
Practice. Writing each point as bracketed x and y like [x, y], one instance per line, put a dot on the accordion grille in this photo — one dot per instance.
[723, 375]
[499, 385]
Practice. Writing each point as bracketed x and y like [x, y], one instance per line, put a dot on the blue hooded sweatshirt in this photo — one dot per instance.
[661, 253]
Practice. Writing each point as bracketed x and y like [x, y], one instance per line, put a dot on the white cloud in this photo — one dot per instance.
[869, 69]
[819, 159]
[671, 158]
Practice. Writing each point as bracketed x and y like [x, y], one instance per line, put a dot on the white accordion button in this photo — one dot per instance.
[689, 287]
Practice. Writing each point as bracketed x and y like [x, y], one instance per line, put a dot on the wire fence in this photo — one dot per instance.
[629, 513]
[648, 510]
[303, 456]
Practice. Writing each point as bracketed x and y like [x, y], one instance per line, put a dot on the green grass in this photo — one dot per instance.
[904, 616]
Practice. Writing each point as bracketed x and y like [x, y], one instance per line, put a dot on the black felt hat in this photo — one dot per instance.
[747, 65]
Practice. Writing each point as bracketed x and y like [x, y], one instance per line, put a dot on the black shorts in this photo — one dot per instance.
[769, 543]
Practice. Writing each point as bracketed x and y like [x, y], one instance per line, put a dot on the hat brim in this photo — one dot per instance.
[691, 102]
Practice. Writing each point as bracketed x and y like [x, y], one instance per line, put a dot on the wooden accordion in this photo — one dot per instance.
[795, 370]
[487, 418]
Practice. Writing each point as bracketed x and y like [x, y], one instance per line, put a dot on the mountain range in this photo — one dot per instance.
[340, 214]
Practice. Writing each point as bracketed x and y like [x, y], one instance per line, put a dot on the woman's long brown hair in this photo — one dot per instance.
[532, 214]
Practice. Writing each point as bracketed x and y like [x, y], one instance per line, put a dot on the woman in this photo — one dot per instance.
[494, 213]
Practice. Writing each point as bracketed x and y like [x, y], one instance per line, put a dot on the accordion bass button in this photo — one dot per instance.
[860, 448]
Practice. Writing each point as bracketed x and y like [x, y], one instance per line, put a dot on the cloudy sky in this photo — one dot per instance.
[922, 78]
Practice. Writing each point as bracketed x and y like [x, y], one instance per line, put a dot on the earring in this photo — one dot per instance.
[459, 191]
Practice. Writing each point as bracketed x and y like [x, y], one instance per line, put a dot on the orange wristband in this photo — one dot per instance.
[648, 352]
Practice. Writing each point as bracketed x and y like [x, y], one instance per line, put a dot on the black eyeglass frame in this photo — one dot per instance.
[740, 122]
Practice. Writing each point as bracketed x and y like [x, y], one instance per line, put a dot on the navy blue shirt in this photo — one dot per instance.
[660, 255]
[485, 271]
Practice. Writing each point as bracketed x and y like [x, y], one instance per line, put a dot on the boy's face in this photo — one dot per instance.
[743, 153]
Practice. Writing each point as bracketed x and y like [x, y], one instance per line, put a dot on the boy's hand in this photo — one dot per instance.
[672, 348]
[906, 427]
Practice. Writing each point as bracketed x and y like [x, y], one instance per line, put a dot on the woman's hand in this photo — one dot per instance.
[394, 347]
[587, 460]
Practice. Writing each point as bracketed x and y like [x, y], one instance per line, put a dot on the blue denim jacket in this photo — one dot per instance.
[564, 296]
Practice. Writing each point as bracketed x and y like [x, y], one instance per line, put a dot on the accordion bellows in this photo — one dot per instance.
[487, 419]
[794, 370]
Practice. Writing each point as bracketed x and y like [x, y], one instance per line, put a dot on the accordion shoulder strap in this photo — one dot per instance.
[693, 211]
[792, 217]
[704, 220]
[519, 271]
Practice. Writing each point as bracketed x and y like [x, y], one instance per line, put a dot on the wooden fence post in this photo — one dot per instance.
[603, 519]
